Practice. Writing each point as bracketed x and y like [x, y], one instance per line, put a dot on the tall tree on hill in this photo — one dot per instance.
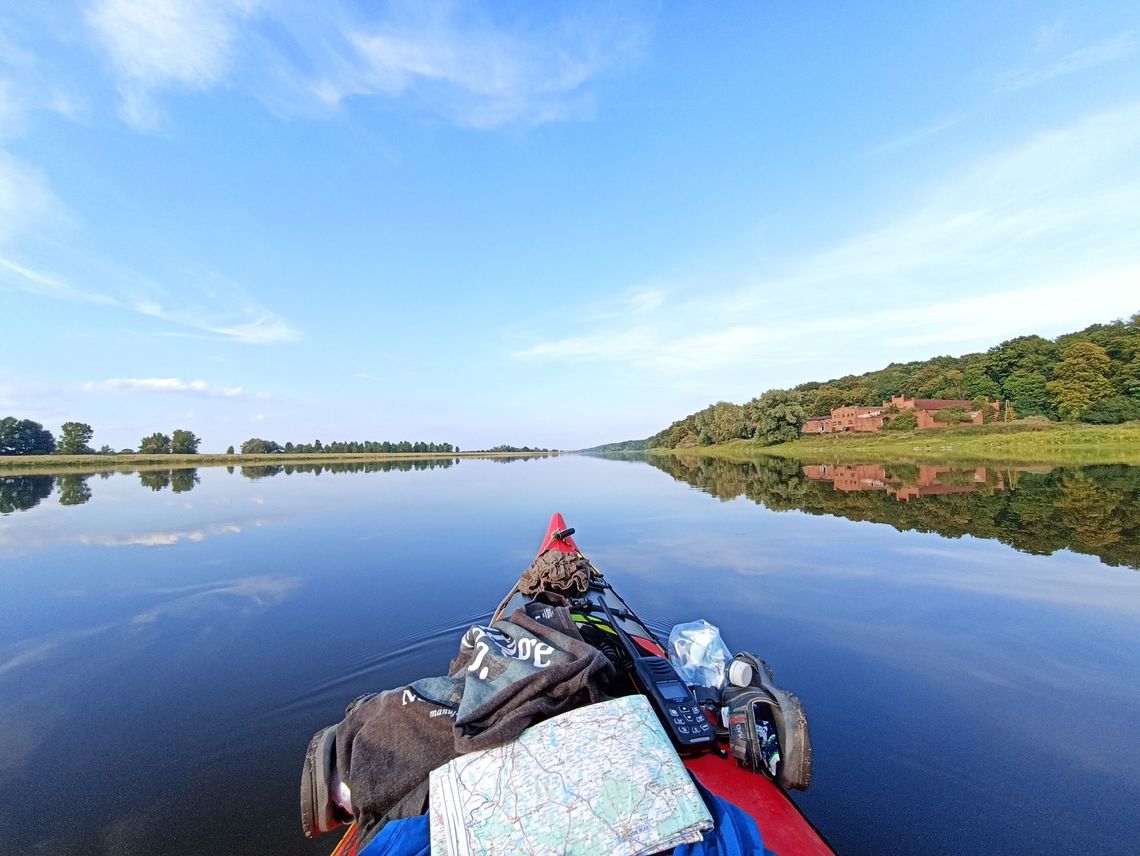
[24, 437]
[778, 416]
[184, 442]
[75, 438]
[1081, 378]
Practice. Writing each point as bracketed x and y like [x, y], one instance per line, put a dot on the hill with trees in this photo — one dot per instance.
[1090, 376]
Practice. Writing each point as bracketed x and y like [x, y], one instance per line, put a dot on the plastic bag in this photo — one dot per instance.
[699, 654]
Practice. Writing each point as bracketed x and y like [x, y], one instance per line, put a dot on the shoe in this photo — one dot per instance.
[319, 811]
[762, 699]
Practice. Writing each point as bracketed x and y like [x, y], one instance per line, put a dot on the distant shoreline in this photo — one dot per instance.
[1023, 442]
[49, 464]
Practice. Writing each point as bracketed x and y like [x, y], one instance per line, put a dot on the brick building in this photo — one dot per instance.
[928, 482]
[869, 419]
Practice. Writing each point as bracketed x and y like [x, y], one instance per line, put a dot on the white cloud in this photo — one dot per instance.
[1106, 51]
[159, 44]
[1001, 246]
[476, 67]
[479, 72]
[164, 384]
[27, 202]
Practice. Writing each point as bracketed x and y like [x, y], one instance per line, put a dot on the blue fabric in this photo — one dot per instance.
[407, 837]
[735, 832]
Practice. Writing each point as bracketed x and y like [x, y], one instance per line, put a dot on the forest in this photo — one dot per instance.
[1091, 376]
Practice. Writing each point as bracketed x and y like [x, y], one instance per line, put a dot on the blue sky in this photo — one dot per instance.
[540, 224]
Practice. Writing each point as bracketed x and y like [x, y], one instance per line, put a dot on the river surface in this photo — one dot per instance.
[966, 641]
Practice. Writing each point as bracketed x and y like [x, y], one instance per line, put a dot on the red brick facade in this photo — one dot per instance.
[869, 419]
[927, 483]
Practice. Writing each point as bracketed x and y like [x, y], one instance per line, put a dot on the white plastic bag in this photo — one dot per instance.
[699, 654]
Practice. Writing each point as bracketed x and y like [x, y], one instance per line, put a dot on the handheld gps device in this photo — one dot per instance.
[675, 704]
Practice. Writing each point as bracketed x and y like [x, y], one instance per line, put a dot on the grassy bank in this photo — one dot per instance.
[47, 464]
[1024, 442]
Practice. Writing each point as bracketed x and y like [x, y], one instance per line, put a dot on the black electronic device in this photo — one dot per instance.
[674, 702]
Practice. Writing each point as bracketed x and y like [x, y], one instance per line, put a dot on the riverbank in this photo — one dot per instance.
[1022, 442]
[47, 464]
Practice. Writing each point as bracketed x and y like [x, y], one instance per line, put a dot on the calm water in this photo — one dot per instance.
[966, 642]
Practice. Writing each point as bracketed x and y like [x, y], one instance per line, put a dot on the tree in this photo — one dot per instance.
[953, 415]
[257, 446]
[229, 450]
[727, 422]
[155, 444]
[1109, 411]
[1081, 378]
[184, 442]
[74, 438]
[905, 421]
[1028, 395]
[778, 416]
[24, 437]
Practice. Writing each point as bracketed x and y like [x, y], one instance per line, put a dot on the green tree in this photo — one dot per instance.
[257, 446]
[75, 438]
[1112, 410]
[727, 422]
[156, 444]
[1081, 378]
[229, 450]
[779, 415]
[952, 415]
[184, 442]
[24, 437]
[905, 421]
[1028, 395]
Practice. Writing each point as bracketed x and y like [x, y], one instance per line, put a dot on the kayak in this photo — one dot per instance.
[709, 747]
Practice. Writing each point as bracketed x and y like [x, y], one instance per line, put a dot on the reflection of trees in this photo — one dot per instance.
[19, 493]
[184, 480]
[1094, 510]
[400, 465]
[73, 488]
[155, 479]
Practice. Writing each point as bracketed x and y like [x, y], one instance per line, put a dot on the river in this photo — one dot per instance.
[966, 641]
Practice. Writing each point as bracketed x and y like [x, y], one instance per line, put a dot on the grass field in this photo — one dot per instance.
[1023, 442]
[48, 464]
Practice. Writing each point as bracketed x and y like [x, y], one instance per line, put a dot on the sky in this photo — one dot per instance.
[551, 225]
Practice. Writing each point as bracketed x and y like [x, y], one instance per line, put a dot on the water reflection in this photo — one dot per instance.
[1093, 509]
[19, 493]
[23, 492]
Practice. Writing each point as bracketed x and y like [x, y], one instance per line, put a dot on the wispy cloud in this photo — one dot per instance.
[165, 385]
[1103, 52]
[477, 67]
[226, 318]
[163, 44]
[480, 72]
[1014, 236]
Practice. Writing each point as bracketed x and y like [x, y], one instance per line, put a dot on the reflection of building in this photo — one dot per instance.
[861, 419]
[929, 481]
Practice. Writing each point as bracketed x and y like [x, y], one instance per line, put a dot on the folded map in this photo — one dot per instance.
[599, 779]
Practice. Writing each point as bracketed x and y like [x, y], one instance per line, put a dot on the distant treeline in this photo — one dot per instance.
[1090, 376]
[257, 446]
[1093, 510]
